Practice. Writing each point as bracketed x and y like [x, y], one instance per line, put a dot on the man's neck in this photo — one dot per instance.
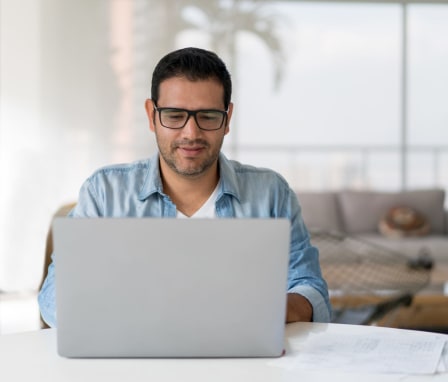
[189, 193]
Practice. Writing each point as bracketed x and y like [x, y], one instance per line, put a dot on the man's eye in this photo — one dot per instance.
[173, 116]
[209, 116]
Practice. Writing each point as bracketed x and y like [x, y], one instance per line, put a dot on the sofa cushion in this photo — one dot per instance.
[320, 210]
[446, 222]
[361, 211]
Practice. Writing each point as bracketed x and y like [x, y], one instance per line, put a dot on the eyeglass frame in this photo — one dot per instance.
[193, 113]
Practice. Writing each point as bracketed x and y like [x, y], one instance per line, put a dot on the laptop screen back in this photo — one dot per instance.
[148, 287]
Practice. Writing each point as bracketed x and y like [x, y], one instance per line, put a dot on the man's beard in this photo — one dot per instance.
[189, 171]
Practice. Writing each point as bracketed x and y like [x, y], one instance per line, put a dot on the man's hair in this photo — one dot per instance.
[194, 64]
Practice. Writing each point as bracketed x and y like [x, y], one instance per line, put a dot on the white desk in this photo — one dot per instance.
[32, 357]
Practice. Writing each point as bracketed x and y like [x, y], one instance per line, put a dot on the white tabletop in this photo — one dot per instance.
[32, 356]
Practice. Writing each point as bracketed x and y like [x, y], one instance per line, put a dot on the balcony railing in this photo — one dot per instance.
[350, 166]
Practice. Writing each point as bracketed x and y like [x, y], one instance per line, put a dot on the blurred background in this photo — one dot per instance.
[332, 94]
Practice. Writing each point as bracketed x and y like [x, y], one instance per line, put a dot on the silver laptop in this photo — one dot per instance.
[148, 287]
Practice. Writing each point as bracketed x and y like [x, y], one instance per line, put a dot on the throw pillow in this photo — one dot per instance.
[403, 221]
[320, 210]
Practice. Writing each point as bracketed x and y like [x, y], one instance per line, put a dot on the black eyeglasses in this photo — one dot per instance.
[173, 118]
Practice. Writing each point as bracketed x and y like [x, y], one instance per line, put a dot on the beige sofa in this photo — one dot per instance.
[358, 214]
[354, 217]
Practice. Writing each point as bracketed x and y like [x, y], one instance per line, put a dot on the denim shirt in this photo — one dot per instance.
[136, 190]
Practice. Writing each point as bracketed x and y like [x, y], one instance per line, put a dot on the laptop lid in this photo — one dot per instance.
[150, 287]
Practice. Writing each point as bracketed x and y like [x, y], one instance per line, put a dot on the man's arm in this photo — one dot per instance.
[86, 206]
[304, 276]
[47, 300]
[298, 308]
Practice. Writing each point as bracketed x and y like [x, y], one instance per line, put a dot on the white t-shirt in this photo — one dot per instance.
[207, 210]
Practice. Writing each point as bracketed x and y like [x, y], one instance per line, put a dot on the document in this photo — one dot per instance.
[443, 364]
[381, 351]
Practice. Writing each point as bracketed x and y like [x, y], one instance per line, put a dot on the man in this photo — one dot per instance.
[190, 112]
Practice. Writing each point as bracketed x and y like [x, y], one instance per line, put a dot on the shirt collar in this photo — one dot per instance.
[229, 182]
[153, 181]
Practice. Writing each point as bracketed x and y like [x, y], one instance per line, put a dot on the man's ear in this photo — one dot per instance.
[150, 112]
[229, 117]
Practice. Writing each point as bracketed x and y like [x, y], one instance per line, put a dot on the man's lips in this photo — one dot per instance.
[191, 150]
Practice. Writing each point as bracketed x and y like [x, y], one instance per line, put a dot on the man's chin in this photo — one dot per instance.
[190, 172]
[191, 168]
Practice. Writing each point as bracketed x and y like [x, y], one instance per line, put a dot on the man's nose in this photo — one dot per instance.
[191, 128]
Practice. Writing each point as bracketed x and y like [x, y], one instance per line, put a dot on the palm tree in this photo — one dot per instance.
[157, 24]
[223, 21]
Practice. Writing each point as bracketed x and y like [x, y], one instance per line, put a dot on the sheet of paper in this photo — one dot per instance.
[443, 363]
[403, 352]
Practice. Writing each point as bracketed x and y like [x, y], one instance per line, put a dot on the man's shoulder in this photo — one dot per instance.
[139, 167]
[248, 170]
[122, 180]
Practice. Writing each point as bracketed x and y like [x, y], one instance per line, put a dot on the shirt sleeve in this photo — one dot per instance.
[321, 311]
[304, 276]
[47, 298]
[86, 206]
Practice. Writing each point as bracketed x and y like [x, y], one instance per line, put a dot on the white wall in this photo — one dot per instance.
[20, 139]
[67, 107]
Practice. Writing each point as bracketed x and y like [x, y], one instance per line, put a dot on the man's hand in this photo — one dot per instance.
[298, 308]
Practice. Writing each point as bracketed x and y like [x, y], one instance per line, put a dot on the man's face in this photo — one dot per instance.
[189, 151]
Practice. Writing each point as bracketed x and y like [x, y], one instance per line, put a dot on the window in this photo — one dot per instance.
[428, 92]
[339, 96]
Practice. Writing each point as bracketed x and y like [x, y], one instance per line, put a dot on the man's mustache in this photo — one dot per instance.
[191, 143]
